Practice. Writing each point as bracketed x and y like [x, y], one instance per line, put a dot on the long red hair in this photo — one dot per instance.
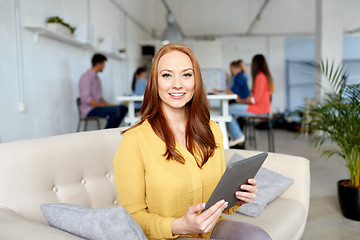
[200, 140]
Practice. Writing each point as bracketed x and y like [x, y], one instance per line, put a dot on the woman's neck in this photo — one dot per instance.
[177, 122]
[176, 117]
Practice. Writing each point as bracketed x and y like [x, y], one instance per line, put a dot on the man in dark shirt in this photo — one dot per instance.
[92, 102]
[238, 83]
[241, 89]
[240, 86]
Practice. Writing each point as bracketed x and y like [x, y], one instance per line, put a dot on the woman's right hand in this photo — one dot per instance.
[193, 222]
[215, 90]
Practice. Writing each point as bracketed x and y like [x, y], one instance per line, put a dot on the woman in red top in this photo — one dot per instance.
[262, 89]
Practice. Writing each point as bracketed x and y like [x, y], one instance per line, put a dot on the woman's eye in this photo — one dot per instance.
[166, 75]
[187, 75]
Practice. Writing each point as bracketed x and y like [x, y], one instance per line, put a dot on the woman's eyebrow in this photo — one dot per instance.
[167, 70]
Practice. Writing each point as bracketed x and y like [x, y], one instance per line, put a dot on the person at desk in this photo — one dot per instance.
[174, 157]
[92, 102]
[258, 103]
[235, 66]
[239, 87]
[238, 82]
[139, 84]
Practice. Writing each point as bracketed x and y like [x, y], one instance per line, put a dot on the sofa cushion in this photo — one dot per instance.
[270, 186]
[281, 219]
[89, 223]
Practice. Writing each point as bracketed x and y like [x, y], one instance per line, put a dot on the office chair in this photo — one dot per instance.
[86, 119]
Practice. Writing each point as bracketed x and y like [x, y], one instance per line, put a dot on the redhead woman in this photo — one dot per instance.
[168, 164]
[261, 91]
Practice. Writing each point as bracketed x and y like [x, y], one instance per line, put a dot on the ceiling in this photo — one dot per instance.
[212, 18]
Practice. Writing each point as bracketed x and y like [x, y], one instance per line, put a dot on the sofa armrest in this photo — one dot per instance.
[294, 167]
[15, 227]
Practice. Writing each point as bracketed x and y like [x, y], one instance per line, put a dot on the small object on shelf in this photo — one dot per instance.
[58, 25]
[59, 28]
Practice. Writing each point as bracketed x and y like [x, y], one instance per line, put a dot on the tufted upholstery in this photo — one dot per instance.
[73, 168]
[77, 168]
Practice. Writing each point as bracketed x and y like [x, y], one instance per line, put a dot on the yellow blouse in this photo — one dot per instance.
[155, 191]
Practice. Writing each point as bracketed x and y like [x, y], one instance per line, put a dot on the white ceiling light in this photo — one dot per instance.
[172, 33]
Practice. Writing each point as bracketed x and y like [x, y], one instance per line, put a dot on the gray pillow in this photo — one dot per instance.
[89, 223]
[270, 186]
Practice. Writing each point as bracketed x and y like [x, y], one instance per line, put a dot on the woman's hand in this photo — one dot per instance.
[193, 222]
[243, 67]
[250, 191]
[215, 90]
[228, 91]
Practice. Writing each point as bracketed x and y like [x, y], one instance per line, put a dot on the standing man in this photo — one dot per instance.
[92, 102]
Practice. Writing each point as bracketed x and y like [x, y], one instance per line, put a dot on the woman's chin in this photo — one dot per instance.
[176, 105]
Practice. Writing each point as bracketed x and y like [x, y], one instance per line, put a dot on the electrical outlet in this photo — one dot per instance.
[21, 107]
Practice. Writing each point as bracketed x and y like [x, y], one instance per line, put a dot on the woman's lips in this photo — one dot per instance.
[177, 95]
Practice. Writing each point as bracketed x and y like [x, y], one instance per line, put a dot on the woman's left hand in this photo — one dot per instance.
[249, 191]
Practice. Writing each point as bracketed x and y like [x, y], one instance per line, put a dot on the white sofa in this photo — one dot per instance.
[77, 168]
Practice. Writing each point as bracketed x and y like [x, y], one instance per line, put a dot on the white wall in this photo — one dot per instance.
[208, 53]
[51, 69]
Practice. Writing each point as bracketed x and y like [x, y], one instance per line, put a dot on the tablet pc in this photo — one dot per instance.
[236, 174]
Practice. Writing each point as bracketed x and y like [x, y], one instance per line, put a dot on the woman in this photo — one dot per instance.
[139, 81]
[262, 89]
[139, 84]
[168, 164]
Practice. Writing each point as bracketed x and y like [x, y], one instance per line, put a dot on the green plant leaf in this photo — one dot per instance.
[338, 118]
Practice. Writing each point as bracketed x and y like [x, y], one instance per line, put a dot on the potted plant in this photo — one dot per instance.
[57, 24]
[337, 120]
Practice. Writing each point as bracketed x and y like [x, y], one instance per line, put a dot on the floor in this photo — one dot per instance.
[324, 220]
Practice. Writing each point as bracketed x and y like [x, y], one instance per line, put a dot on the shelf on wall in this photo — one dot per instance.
[118, 56]
[69, 40]
[54, 35]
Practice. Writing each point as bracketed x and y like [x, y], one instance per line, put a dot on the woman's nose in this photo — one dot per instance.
[177, 84]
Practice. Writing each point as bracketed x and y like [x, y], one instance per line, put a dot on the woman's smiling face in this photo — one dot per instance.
[176, 82]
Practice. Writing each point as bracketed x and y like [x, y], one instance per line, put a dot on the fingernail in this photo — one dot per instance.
[203, 205]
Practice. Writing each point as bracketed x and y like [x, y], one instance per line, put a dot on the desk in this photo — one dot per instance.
[222, 118]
